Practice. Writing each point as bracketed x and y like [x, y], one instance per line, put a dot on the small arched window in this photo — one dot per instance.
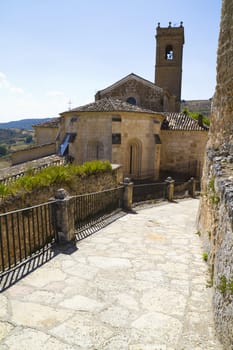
[169, 54]
[132, 100]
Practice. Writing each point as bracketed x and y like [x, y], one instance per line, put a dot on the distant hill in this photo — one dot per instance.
[25, 124]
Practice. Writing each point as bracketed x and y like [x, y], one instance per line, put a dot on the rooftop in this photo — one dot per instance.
[111, 105]
[180, 121]
[131, 76]
[53, 123]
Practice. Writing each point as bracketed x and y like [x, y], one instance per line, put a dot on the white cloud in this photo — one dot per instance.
[2, 76]
[55, 93]
[3, 81]
[8, 86]
[16, 90]
[19, 104]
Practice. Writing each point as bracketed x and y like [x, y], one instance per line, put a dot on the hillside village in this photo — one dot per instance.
[134, 122]
[173, 287]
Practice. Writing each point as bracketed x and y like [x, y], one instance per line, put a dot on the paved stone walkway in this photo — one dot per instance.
[138, 284]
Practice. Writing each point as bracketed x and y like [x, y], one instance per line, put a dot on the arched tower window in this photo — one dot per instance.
[169, 54]
[132, 100]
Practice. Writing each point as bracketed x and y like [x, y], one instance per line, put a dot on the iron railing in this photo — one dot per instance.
[24, 233]
[183, 170]
[152, 191]
[27, 232]
[13, 177]
[141, 175]
[91, 208]
[181, 188]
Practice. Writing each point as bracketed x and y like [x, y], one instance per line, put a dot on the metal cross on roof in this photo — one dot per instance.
[69, 104]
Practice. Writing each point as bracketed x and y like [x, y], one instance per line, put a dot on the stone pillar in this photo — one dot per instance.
[170, 188]
[64, 216]
[128, 194]
[192, 187]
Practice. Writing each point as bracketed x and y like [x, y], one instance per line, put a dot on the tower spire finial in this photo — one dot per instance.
[69, 104]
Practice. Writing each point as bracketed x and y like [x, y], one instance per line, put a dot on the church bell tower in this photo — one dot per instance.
[169, 54]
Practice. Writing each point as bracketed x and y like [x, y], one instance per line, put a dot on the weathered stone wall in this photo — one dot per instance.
[221, 126]
[183, 151]
[87, 184]
[146, 96]
[216, 227]
[45, 134]
[95, 131]
[216, 208]
[197, 106]
[32, 153]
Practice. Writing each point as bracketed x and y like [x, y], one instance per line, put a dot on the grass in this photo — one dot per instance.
[222, 286]
[213, 197]
[53, 175]
[225, 285]
[196, 115]
[205, 256]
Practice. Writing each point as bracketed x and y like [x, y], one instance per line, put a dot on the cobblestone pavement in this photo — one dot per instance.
[137, 284]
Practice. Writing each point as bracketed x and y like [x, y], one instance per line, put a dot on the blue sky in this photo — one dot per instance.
[54, 51]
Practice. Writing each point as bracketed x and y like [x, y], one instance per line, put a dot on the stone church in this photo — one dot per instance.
[165, 93]
[135, 122]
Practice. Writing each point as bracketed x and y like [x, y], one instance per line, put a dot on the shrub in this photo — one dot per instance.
[53, 175]
[3, 150]
[195, 116]
[205, 256]
[3, 189]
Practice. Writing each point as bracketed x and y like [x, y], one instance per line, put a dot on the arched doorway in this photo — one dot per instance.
[134, 158]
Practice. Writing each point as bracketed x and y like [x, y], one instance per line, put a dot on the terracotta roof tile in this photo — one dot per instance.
[180, 121]
[53, 123]
[110, 105]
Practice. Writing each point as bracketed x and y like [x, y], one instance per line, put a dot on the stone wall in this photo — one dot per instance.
[32, 153]
[87, 184]
[216, 227]
[45, 134]
[136, 149]
[183, 151]
[146, 95]
[197, 106]
[216, 207]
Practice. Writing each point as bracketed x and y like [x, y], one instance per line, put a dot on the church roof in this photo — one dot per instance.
[127, 78]
[53, 123]
[111, 105]
[181, 121]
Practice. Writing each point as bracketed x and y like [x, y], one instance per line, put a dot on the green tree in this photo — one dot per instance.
[3, 150]
[28, 139]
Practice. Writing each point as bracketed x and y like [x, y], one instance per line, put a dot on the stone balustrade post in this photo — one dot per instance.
[170, 188]
[127, 194]
[192, 187]
[64, 216]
